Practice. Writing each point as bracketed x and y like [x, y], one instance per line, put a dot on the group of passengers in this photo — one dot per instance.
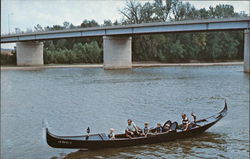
[134, 131]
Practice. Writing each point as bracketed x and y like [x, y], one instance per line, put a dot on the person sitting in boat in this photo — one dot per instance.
[145, 129]
[193, 123]
[111, 134]
[194, 116]
[185, 122]
[131, 130]
[158, 128]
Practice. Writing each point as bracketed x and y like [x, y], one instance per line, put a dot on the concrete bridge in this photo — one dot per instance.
[117, 40]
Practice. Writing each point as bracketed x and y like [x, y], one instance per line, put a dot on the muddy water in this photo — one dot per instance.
[71, 99]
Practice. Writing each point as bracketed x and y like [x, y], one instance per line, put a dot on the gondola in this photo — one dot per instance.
[100, 141]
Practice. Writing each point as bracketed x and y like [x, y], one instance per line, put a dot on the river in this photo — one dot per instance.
[71, 99]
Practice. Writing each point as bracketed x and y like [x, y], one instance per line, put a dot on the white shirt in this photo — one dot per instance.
[131, 127]
[111, 135]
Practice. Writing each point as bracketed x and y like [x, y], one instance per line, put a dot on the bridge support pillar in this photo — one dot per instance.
[117, 52]
[247, 51]
[29, 53]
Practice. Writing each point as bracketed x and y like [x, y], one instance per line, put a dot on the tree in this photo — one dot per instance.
[66, 25]
[222, 11]
[89, 23]
[18, 31]
[131, 12]
[56, 27]
[183, 11]
[38, 28]
[107, 23]
[162, 11]
[116, 23]
[60, 44]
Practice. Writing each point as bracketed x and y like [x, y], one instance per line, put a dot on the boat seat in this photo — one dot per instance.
[174, 126]
[101, 136]
[167, 122]
[104, 136]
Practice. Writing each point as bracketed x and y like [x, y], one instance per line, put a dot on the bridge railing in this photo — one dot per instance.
[170, 22]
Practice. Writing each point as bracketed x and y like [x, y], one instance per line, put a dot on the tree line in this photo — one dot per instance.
[171, 47]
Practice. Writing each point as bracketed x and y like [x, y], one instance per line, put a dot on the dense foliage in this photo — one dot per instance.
[178, 47]
[8, 58]
[80, 53]
[171, 47]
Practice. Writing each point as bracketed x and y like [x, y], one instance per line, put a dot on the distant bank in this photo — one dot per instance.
[136, 64]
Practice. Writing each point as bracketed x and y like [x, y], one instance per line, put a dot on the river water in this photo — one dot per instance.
[71, 99]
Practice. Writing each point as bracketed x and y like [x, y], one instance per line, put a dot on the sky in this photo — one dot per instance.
[25, 14]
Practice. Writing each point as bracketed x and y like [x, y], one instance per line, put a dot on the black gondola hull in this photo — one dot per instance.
[80, 142]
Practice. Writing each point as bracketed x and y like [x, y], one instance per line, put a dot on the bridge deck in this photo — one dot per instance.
[146, 28]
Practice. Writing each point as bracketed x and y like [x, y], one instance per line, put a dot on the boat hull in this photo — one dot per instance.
[80, 142]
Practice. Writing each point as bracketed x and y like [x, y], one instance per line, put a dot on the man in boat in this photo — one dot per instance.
[131, 130]
[185, 122]
[194, 116]
[194, 123]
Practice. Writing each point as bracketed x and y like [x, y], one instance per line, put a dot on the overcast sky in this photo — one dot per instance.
[25, 14]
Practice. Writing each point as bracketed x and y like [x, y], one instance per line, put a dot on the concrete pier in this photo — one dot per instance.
[117, 52]
[247, 51]
[29, 53]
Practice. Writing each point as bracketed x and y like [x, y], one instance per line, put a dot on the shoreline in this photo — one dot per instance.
[134, 65]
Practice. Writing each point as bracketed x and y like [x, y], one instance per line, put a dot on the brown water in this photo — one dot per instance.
[71, 99]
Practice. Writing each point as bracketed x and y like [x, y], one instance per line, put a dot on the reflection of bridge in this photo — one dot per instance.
[117, 39]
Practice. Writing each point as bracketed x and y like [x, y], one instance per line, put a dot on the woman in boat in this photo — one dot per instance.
[131, 130]
[185, 122]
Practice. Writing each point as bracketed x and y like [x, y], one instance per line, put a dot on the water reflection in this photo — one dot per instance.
[179, 148]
